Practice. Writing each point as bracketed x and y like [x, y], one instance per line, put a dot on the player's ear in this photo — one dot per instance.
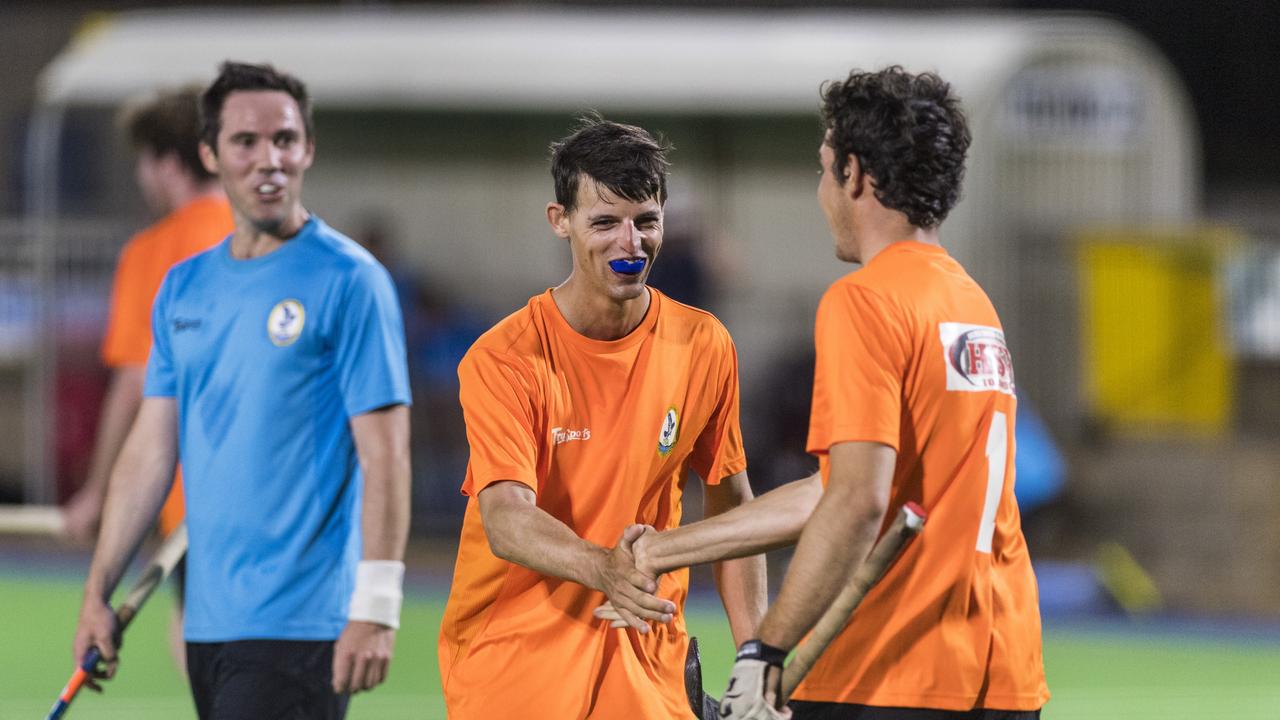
[209, 158]
[856, 181]
[170, 162]
[558, 219]
[311, 153]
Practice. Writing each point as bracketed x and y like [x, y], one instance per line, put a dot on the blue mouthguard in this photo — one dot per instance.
[627, 267]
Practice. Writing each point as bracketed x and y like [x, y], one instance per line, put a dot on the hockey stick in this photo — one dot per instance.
[163, 563]
[906, 525]
[704, 706]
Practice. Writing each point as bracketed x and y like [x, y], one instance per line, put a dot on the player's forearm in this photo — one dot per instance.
[382, 444]
[385, 509]
[830, 549]
[526, 535]
[768, 522]
[119, 409]
[742, 581]
[139, 482]
[744, 592]
[835, 541]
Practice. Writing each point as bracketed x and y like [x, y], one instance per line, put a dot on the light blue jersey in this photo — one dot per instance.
[268, 359]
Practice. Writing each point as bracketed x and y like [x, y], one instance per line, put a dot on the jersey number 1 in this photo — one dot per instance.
[997, 461]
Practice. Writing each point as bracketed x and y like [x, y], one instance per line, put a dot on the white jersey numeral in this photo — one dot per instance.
[997, 461]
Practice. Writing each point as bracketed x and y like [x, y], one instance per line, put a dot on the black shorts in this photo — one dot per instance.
[264, 680]
[803, 710]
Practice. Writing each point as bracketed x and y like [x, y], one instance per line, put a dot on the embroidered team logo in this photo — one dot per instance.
[285, 322]
[670, 431]
[977, 358]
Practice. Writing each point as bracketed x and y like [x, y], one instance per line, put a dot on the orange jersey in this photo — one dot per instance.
[603, 432]
[911, 354]
[146, 258]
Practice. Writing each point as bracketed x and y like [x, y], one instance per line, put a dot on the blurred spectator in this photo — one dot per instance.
[437, 335]
[1040, 469]
[164, 131]
[680, 271]
[778, 423]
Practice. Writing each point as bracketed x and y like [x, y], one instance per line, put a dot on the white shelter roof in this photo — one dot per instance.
[547, 59]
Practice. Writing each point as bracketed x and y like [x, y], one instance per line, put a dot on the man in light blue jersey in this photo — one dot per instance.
[278, 375]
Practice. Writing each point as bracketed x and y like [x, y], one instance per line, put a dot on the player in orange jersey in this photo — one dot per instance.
[585, 410]
[165, 131]
[913, 401]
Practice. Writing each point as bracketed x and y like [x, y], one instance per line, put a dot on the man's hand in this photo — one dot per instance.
[755, 684]
[96, 628]
[361, 656]
[638, 545]
[629, 590]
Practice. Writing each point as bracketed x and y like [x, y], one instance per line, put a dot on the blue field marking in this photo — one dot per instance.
[1260, 632]
[45, 560]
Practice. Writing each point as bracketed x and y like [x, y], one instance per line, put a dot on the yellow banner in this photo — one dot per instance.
[1154, 330]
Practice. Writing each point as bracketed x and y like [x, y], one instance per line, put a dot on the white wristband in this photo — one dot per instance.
[379, 592]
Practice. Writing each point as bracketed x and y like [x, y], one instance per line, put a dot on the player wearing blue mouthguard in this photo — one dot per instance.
[278, 374]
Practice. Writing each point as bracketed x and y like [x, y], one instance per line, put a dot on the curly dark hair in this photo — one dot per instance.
[626, 159]
[908, 133]
[236, 76]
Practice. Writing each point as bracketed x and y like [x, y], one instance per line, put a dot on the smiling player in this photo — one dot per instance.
[585, 410]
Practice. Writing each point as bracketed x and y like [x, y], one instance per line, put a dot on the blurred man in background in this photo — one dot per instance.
[195, 216]
[278, 375]
[585, 410]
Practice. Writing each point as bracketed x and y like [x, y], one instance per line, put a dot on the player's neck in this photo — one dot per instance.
[596, 316]
[187, 190]
[252, 241]
[892, 230]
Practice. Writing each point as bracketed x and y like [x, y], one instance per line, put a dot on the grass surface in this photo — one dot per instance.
[1093, 674]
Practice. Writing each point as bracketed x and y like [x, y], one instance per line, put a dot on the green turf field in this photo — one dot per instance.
[1093, 675]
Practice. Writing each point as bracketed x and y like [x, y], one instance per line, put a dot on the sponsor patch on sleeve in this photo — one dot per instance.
[977, 358]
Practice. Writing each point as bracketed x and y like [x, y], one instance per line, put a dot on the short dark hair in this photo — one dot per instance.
[238, 76]
[908, 133]
[626, 159]
[168, 122]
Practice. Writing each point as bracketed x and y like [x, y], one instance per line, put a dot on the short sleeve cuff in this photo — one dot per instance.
[479, 481]
[854, 433]
[158, 384]
[368, 406]
[728, 467]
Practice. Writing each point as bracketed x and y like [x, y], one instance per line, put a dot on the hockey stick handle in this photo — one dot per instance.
[165, 560]
[906, 525]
